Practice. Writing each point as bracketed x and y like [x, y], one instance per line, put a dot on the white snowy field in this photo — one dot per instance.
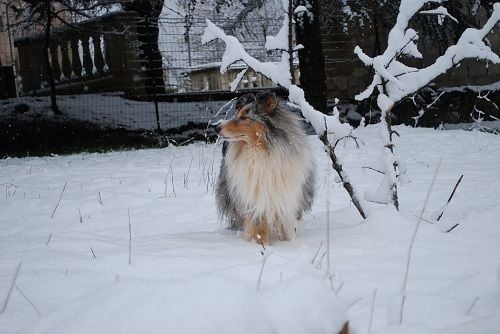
[65, 219]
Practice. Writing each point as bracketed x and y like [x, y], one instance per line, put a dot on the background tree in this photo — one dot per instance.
[43, 15]
[147, 29]
[381, 15]
[311, 59]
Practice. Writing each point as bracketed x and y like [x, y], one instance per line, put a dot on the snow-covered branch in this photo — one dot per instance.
[441, 13]
[396, 80]
[401, 80]
[328, 128]
[279, 73]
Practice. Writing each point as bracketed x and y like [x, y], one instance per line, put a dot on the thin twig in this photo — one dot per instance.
[341, 285]
[337, 166]
[353, 303]
[372, 311]
[93, 254]
[173, 186]
[29, 301]
[472, 306]
[217, 114]
[186, 141]
[371, 168]
[170, 170]
[320, 263]
[48, 240]
[261, 242]
[452, 228]
[347, 137]
[328, 224]
[129, 239]
[317, 252]
[412, 243]
[84, 29]
[212, 169]
[451, 196]
[186, 176]
[330, 279]
[59, 201]
[12, 285]
[425, 220]
[264, 259]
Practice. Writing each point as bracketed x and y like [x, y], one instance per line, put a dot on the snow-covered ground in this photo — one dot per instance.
[66, 220]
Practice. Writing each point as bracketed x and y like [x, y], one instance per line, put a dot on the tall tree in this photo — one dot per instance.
[147, 29]
[42, 14]
[311, 59]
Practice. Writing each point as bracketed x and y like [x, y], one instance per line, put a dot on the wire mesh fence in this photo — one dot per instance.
[124, 71]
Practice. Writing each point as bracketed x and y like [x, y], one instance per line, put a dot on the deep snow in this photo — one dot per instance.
[190, 275]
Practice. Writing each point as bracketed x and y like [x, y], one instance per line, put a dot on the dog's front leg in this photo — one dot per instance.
[258, 231]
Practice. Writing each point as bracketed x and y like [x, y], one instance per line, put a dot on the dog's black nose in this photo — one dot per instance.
[217, 129]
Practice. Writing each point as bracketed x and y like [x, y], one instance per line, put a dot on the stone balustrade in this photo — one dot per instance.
[98, 55]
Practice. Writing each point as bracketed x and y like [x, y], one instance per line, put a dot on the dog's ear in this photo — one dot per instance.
[244, 100]
[267, 102]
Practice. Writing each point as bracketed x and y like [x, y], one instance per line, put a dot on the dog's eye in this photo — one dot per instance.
[243, 118]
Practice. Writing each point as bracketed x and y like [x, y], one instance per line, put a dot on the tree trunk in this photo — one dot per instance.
[290, 40]
[148, 31]
[151, 58]
[48, 66]
[311, 59]
[337, 166]
[390, 146]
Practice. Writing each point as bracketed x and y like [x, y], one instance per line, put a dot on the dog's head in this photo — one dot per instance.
[249, 122]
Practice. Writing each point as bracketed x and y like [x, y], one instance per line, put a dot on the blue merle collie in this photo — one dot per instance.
[266, 179]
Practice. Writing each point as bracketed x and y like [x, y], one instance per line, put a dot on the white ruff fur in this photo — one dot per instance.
[268, 184]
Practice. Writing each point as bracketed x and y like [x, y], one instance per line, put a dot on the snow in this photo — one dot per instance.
[384, 102]
[280, 41]
[180, 55]
[111, 110]
[395, 80]
[300, 9]
[475, 88]
[403, 80]
[278, 72]
[203, 305]
[190, 275]
[441, 13]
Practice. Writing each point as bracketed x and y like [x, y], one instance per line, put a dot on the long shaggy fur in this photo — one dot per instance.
[267, 170]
